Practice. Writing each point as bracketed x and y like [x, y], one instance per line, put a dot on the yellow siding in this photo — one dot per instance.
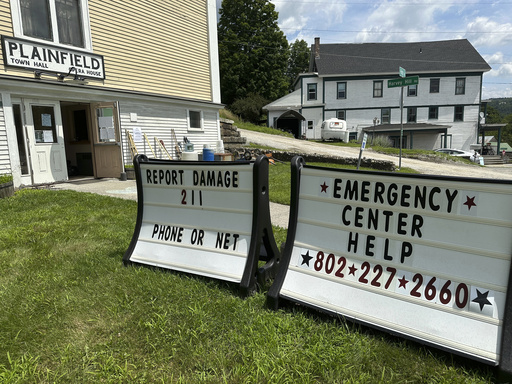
[156, 46]
[153, 46]
[5, 26]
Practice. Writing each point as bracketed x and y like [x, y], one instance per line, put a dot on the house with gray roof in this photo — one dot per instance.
[350, 82]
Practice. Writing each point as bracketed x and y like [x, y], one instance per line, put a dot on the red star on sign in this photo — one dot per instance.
[353, 270]
[324, 187]
[470, 202]
[403, 282]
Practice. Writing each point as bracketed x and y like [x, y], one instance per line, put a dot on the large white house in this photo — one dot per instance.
[350, 82]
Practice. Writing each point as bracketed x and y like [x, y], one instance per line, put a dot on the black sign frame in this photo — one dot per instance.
[262, 246]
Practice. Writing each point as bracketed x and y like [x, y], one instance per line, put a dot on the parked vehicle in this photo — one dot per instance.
[335, 129]
[472, 156]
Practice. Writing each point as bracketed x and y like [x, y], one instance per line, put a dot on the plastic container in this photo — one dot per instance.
[190, 156]
[208, 154]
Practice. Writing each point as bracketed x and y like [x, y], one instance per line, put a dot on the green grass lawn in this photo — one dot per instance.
[72, 313]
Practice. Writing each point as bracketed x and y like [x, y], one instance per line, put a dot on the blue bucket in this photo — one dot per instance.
[208, 154]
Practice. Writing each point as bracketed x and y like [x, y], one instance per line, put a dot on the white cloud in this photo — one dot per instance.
[486, 32]
[400, 21]
[308, 19]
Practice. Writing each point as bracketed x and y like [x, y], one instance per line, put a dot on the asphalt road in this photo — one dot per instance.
[280, 213]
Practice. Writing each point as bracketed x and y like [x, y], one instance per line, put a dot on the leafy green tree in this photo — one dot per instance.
[299, 60]
[253, 51]
[492, 115]
[249, 108]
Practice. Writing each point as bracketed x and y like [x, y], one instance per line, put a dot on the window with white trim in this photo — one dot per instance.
[64, 22]
[195, 120]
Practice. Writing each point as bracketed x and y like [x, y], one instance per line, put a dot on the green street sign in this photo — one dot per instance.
[403, 82]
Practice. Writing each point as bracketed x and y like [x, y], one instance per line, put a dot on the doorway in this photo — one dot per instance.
[93, 140]
[59, 140]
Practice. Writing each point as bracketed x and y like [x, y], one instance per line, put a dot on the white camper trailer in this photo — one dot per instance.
[335, 129]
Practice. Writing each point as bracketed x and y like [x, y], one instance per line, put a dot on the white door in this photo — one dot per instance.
[46, 141]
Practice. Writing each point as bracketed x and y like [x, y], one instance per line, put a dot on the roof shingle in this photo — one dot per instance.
[385, 58]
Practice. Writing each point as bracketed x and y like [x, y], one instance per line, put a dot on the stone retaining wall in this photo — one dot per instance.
[378, 165]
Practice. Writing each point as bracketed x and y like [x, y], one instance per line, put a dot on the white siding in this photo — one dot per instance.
[5, 163]
[157, 120]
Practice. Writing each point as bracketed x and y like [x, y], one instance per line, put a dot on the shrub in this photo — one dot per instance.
[5, 178]
[249, 108]
[381, 141]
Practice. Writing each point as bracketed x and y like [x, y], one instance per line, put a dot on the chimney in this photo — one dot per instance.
[317, 47]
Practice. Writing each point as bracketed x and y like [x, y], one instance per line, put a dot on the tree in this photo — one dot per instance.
[299, 60]
[253, 52]
[492, 115]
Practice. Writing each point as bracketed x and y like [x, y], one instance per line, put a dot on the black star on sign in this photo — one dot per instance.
[324, 187]
[352, 269]
[481, 299]
[470, 202]
[306, 258]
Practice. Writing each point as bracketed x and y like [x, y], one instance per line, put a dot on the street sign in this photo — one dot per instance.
[403, 82]
[401, 71]
[363, 144]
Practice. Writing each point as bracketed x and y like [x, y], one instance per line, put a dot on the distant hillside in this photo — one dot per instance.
[502, 105]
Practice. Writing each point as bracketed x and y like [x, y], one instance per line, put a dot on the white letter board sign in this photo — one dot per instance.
[424, 257]
[205, 218]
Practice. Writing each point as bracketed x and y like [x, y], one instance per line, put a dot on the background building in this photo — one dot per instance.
[350, 82]
[77, 75]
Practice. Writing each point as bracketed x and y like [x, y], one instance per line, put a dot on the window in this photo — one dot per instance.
[385, 116]
[342, 90]
[434, 85]
[311, 124]
[412, 90]
[459, 113]
[44, 124]
[433, 113]
[311, 91]
[341, 114]
[195, 120]
[460, 86]
[57, 21]
[377, 88]
[411, 114]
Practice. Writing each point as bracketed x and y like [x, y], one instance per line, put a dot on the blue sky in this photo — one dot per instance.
[486, 24]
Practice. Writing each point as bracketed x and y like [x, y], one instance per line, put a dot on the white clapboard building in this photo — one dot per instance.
[350, 82]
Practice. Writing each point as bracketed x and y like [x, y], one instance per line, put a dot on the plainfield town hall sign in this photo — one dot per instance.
[45, 58]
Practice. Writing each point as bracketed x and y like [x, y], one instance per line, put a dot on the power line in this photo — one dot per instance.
[400, 32]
